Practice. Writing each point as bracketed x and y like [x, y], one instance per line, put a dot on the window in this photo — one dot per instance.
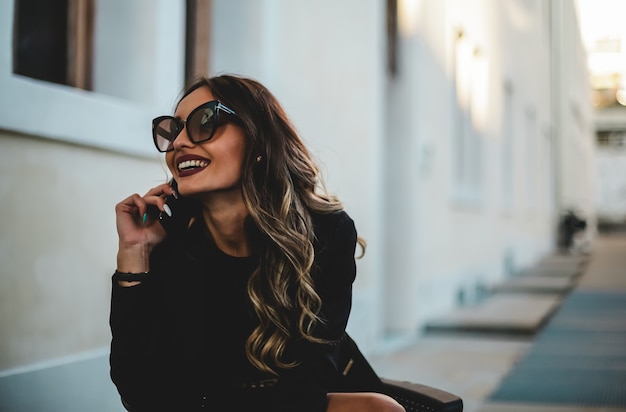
[467, 140]
[611, 138]
[53, 41]
[104, 46]
[133, 70]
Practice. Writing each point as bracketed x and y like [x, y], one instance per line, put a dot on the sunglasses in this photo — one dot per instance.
[201, 125]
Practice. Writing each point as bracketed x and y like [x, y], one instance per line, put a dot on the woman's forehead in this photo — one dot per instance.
[194, 99]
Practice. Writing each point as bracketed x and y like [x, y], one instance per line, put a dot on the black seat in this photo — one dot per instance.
[421, 398]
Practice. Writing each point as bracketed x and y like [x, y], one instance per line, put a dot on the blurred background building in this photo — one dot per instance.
[604, 36]
[456, 132]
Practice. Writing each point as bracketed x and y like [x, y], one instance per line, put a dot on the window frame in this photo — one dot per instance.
[80, 43]
[197, 38]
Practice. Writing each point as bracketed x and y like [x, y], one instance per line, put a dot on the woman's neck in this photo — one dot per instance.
[225, 221]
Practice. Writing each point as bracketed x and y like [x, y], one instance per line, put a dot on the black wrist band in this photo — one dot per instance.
[130, 277]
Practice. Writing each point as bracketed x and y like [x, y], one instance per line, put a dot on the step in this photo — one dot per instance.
[507, 313]
[535, 284]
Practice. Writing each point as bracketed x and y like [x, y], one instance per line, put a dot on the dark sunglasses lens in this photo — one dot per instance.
[201, 124]
[165, 131]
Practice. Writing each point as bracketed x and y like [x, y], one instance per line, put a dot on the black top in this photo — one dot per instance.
[178, 337]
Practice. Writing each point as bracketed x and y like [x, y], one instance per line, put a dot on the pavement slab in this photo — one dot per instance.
[508, 313]
[551, 271]
[536, 284]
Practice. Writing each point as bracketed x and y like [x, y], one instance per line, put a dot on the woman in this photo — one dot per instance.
[233, 282]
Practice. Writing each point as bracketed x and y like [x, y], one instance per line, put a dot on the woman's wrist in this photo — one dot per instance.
[133, 259]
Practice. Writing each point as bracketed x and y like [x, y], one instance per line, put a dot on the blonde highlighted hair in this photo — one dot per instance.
[281, 186]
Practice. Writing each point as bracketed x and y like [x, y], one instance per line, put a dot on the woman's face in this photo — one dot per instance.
[208, 167]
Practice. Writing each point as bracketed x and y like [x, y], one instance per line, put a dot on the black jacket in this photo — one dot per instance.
[177, 338]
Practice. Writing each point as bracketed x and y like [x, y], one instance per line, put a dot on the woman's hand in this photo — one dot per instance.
[138, 228]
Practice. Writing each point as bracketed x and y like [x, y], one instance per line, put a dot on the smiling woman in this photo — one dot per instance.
[246, 301]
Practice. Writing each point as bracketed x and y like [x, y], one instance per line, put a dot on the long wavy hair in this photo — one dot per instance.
[280, 191]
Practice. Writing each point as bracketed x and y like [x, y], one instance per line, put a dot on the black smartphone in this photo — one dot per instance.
[183, 209]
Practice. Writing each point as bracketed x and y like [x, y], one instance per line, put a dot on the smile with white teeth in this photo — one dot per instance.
[190, 164]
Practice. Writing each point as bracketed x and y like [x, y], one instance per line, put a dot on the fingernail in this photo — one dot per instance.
[144, 218]
[174, 194]
[167, 210]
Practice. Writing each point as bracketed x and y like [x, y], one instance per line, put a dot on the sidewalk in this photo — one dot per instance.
[576, 360]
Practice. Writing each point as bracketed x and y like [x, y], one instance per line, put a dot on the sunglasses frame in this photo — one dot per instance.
[182, 124]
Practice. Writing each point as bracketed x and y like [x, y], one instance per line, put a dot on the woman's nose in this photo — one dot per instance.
[182, 140]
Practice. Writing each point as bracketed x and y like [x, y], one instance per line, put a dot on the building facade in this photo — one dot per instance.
[456, 132]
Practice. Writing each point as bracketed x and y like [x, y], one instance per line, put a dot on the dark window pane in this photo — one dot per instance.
[40, 39]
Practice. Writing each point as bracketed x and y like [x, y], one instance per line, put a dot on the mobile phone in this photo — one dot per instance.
[183, 209]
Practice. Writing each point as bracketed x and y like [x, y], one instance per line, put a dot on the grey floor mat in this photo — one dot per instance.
[579, 357]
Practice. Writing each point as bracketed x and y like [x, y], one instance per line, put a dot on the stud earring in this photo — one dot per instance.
[259, 158]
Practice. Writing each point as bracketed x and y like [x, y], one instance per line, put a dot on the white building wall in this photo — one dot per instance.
[459, 234]
[575, 139]
[58, 244]
[68, 156]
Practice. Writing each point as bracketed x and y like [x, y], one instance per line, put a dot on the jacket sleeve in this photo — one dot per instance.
[132, 322]
[305, 387]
